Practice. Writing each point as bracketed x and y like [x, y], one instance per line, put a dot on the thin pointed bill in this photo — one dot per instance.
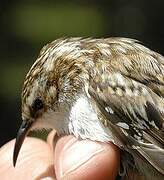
[23, 130]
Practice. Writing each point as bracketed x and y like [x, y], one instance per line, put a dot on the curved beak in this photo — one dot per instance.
[23, 130]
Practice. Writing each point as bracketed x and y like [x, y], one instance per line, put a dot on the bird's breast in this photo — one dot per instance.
[84, 122]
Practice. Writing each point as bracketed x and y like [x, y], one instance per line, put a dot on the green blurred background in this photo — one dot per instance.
[26, 25]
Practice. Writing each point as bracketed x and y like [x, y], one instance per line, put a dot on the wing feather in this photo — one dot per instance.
[128, 87]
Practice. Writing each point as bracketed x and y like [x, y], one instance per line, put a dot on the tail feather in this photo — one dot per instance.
[154, 155]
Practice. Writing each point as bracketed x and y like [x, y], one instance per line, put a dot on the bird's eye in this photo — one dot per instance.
[37, 105]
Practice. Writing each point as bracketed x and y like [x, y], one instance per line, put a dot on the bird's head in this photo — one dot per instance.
[49, 89]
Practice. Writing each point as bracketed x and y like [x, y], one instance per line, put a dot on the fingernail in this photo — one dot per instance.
[75, 154]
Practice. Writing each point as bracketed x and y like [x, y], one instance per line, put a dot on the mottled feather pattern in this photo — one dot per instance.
[122, 80]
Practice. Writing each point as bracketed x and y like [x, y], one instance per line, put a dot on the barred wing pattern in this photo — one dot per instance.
[129, 92]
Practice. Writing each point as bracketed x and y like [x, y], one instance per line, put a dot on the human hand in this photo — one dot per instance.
[68, 158]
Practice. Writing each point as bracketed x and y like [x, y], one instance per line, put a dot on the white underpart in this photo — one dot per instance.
[81, 121]
[53, 120]
[84, 123]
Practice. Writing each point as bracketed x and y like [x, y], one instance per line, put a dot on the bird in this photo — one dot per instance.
[102, 89]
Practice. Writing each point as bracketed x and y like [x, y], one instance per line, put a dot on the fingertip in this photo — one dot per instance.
[51, 139]
[85, 159]
[34, 160]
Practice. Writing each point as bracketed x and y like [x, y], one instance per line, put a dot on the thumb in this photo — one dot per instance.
[84, 159]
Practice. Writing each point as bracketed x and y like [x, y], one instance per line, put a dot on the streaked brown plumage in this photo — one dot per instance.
[116, 80]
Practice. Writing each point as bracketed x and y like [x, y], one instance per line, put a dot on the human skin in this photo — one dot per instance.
[60, 158]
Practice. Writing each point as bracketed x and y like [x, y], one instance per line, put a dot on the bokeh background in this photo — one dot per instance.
[26, 25]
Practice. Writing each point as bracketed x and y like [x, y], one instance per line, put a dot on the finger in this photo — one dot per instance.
[34, 161]
[51, 139]
[85, 159]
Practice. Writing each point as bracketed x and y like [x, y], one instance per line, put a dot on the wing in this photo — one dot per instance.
[128, 88]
